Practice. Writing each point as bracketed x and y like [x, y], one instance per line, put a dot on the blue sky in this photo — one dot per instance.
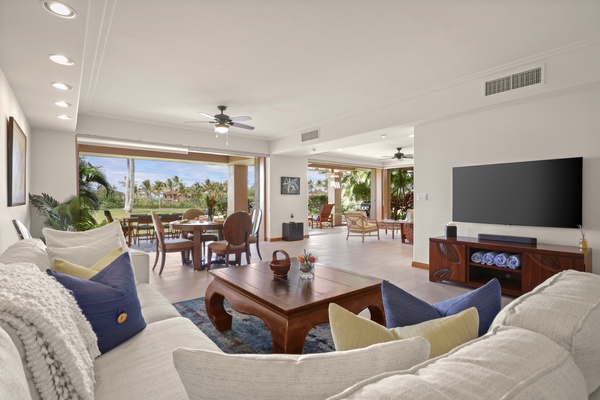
[116, 169]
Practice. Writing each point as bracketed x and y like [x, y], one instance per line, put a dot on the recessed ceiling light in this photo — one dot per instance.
[383, 136]
[60, 59]
[61, 86]
[59, 9]
[63, 116]
[412, 135]
[63, 104]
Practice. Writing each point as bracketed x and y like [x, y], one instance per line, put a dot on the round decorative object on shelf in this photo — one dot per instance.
[280, 268]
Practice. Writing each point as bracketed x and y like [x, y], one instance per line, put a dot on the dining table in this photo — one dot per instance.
[197, 227]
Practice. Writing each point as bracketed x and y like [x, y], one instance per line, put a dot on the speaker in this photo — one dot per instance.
[506, 238]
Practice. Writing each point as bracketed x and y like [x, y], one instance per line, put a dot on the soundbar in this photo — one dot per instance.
[506, 238]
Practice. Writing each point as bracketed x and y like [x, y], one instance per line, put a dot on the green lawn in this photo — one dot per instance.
[119, 213]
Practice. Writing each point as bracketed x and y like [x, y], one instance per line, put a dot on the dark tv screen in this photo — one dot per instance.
[531, 193]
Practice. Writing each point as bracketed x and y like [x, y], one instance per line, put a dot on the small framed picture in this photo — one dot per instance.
[290, 185]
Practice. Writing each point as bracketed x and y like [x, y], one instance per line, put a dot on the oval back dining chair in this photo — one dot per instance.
[254, 235]
[236, 231]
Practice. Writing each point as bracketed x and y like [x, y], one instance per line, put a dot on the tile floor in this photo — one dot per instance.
[386, 259]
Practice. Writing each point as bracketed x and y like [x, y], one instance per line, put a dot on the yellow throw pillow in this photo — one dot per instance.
[351, 331]
[69, 268]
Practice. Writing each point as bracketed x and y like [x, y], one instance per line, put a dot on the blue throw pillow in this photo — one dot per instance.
[403, 309]
[109, 301]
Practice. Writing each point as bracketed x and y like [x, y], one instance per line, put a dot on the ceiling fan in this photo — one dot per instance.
[223, 122]
[400, 155]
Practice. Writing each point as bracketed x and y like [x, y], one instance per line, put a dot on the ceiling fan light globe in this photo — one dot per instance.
[221, 128]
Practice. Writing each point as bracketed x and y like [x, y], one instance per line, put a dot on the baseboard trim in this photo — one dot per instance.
[420, 265]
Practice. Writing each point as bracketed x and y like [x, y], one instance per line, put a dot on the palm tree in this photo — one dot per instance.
[130, 185]
[356, 188]
[401, 192]
[90, 177]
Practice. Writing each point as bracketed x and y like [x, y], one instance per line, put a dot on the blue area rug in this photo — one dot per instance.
[248, 334]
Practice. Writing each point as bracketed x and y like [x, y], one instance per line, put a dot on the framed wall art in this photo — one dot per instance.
[290, 185]
[17, 162]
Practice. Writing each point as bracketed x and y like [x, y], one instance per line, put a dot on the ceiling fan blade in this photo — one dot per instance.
[196, 122]
[244, 118]
[243, 126]
[409, 156]
[206, 115]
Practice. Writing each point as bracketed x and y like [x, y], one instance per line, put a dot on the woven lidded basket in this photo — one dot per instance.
[280, 268]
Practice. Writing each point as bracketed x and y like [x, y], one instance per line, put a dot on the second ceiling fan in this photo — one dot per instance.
[400, 155]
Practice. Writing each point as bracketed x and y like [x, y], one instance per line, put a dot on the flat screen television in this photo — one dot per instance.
[532, 193]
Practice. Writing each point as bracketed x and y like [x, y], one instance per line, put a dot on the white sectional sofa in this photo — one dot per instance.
[543, 345]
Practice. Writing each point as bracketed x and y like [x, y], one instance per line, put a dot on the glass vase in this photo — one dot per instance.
[583, 244]
[307, 271]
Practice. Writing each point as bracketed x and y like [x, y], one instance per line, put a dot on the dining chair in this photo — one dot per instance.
[236, 231]
[110, 219]
[143, 228]
[254, 234]
[324, 216]
[22, 230]
[358, 225]
[165, 246]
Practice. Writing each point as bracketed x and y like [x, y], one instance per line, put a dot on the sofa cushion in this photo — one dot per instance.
[216, 375]
[109, 301]
[507, 363]
[565, 308]
[13, 384]
[402, 308]
[79, 271]
[351, 331]
[155, 307]
[142, 367]
[55, 238]
[29, 251]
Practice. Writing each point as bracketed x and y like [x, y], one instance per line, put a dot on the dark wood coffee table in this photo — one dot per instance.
[290, 307]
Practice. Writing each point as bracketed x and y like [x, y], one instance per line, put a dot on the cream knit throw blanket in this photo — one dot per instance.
[60, 345]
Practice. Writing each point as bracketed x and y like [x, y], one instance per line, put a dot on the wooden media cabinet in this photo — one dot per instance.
[450, 260]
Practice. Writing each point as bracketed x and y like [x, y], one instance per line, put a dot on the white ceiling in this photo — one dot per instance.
[290, 65]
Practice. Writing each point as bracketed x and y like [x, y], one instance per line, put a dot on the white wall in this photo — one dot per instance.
[9, 107]
[54, 170]
[280, 206]
[566, 124]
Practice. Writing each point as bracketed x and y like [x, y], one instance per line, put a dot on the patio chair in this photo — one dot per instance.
[254, 235]
[165, 246]
[324, 216]
[359, 225]
[236, 231]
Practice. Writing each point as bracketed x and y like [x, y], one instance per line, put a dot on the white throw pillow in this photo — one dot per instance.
[27, 250]
[56, 238]
[565, 308]
[86, 255]
[506, 363]
[215, 375]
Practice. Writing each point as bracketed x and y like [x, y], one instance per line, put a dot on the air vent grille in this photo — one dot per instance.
[514, 81]
[497, 86]
[527, 78]
[310, 135]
